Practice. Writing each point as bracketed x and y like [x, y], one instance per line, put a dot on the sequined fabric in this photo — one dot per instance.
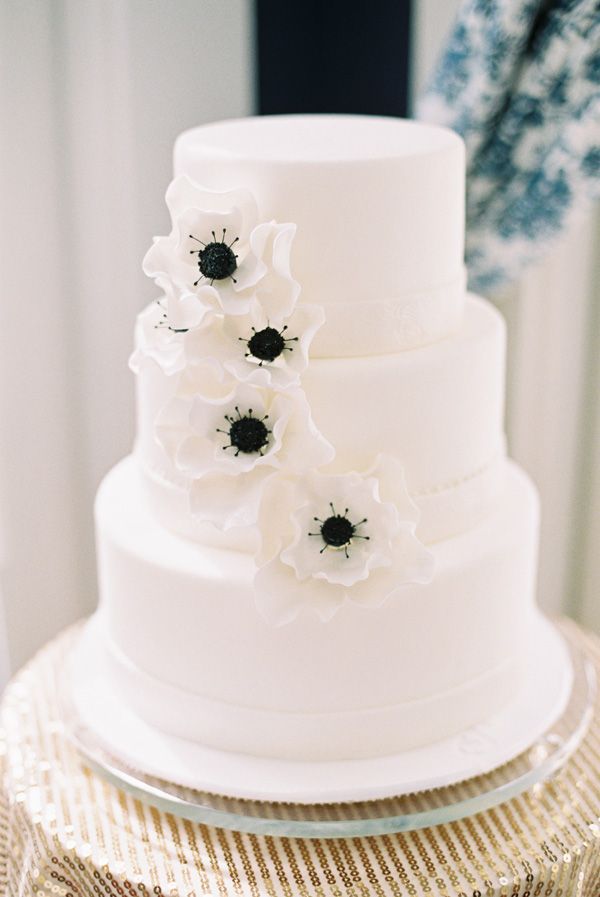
[67, 832]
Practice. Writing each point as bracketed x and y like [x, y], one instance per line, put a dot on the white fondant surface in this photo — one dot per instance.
[438, 408]
[379, 209]
[499, 737]
[430, 662]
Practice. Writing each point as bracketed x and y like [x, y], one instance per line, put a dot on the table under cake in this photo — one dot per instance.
[65, 830]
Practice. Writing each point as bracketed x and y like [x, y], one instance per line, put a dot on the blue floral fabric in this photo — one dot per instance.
[520, 81]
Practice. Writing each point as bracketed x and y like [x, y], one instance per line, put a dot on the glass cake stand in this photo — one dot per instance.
[539, 762]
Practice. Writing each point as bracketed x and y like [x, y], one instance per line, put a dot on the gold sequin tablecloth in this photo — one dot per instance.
[65, 831]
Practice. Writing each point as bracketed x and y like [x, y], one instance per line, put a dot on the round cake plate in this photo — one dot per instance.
[399, 806]
[99, 709]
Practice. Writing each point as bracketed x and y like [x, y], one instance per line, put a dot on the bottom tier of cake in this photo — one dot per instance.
[192, 656]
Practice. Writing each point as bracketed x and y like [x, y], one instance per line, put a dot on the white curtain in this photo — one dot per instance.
[92, 96]
[553, 410]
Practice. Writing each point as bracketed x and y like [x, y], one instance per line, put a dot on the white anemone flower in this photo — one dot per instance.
[254, 348]
[229, 445]
[327, 539]
[218, 250]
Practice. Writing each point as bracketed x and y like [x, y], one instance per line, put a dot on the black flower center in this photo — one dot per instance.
[337, 531]
[267, 344]
[247, 434]
[216, 260]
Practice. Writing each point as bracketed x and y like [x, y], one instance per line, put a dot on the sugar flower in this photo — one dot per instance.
[328, 539]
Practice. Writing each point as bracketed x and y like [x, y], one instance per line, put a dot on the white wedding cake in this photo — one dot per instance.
[318, 550]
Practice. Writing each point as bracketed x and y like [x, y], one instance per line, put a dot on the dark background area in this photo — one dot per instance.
[319, 56]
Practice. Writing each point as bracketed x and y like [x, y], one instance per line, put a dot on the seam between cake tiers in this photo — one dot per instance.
[132, 669]
[451, 485]
[416, 319]
[161, 479]
[444, 513]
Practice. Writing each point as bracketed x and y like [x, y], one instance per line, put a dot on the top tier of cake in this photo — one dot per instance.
[379, 212]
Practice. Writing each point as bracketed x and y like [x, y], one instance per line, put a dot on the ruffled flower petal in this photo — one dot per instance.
[281, 597]
[183, 194]
[234, 506]
[156, 343]
[277, 292]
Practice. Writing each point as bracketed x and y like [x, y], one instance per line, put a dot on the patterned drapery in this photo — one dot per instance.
[520, 81]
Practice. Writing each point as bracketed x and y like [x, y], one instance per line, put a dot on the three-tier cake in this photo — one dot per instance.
[318, 550]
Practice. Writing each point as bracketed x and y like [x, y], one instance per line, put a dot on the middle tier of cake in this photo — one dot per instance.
[439, 409]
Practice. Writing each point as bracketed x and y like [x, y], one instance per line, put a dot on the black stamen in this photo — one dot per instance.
[247, 434]
[216, 260]
[268, 344]
[338, 531]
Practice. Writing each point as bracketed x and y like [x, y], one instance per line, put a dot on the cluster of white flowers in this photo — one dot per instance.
[239, 425]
